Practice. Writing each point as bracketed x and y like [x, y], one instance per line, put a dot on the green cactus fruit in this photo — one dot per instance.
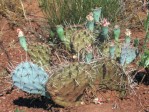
[62, 36]
[90, 22]
[60, 32]
[116, 33]
[104, 31]
[39, 53]
[127, 39]
[90, 25]
[23, 43]
[81, 39]
[103, 34]
[30, 78]
[22, 39]
[97, 14]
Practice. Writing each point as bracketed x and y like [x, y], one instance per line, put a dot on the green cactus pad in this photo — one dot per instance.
[81, 39]
[39, 53]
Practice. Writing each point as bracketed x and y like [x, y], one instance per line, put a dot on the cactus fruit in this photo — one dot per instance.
[88, 54]
[128, 36]
[127, 40]
[60, 32]
[128, 54]
[104, 30]
[62, 36]
[39, 53]
[116, 33]
[90, 22]
[97, 14]
[22, 39]
[30, 78]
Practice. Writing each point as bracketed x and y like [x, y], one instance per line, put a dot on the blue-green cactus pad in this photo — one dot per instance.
[30, 78]
[128, 54]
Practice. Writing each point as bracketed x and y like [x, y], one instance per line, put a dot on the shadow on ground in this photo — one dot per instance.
[32, 102]
[142, 77]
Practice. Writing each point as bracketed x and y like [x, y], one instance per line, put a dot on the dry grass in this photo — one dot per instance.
[11, 9]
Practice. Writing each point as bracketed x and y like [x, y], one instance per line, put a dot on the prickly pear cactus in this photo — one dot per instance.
[39, 53]
[30, 78]
[67, 84]
[128, 54]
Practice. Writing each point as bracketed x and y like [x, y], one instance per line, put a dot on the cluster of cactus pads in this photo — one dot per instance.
[67, 83]
[75, 39]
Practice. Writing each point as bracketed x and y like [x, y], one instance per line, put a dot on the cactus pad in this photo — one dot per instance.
[30, 78]
[128, 54]
[39, 53]
[81, 39]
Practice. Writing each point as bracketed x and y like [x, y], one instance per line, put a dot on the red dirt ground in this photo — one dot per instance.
[138, 101]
